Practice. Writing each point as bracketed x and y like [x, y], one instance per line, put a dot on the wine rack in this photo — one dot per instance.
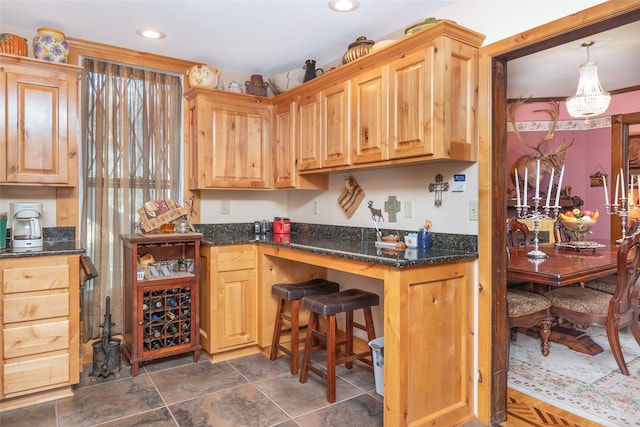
[161, 300]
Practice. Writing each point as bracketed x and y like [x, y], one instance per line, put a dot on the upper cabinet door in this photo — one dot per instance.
[335, 125]
[308, 131]
[229, 140]
[41, 130]
[411, 105]
[369, 116]
[284, 160]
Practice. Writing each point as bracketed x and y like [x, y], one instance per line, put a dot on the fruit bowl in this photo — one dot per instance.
[578, 230]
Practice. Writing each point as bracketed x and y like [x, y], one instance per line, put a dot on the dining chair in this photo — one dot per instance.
[517, 233]
[585, 306]
[529, 309]
[560, 232]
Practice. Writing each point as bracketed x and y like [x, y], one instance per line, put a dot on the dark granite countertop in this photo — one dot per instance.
[62, 247]
[446, 248]
[56, 241]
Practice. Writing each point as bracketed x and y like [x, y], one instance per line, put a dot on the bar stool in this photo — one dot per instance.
[293, 292]
[329, 305]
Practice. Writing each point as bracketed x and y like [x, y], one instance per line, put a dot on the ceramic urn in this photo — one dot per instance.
[203, 76]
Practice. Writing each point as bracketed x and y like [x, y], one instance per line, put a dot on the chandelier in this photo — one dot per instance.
[590, 99]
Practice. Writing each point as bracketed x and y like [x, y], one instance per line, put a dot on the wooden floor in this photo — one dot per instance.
[525, 411]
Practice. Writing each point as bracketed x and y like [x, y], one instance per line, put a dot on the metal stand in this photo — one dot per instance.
[536, 216]
[622, 210]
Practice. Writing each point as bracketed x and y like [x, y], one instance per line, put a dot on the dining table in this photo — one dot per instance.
[566, 264]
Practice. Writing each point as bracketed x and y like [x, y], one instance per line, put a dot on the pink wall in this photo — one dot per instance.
[590, 152]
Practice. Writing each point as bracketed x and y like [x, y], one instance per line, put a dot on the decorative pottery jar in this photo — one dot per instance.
[203, 76]
[50, 45]
[256, 85]
[358, 48]
[14, 45]
[310, 70]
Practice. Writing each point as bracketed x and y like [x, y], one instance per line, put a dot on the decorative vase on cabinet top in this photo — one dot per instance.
[50, 45]
[256, 85]
[203, 76]
[358, 48]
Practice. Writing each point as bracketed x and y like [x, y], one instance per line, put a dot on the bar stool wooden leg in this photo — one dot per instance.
[331, 358]
[349, 337]
[295, 336]
[277, 330]
[308, 345]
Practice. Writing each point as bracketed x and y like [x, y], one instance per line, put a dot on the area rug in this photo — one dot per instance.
[589, 386]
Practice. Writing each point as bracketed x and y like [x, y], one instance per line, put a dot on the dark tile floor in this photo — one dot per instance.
[248, 391]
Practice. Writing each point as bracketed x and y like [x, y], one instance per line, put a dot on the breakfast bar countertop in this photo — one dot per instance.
[348, 248]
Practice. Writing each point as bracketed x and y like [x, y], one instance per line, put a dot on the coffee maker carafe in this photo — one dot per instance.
[26, 225]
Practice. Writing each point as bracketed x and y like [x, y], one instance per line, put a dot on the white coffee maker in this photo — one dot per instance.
[26, 225]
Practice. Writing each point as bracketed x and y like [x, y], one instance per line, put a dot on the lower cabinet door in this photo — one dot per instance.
[236, 314]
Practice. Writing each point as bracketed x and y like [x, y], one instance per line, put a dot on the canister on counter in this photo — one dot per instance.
[286, 226]
[278, 225]
[257, 227]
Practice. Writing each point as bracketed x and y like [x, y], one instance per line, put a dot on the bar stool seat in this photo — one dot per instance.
[329, 305]
[293, 293]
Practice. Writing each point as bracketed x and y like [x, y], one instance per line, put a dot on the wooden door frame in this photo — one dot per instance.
[620, 155]
[492, 313]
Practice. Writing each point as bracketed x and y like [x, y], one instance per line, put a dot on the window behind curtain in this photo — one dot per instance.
[131, 153]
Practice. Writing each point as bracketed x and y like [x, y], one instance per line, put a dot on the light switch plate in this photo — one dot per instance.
[225, 207]
[408, 209]
[473, 210]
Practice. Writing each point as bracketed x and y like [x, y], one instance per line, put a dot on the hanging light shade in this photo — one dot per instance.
[590, 99]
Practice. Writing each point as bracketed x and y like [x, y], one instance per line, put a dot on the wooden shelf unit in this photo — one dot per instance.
[161, 314]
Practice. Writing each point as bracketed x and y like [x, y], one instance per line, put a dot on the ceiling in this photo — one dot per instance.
[269, 37]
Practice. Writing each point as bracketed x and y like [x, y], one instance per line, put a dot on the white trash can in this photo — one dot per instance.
[377, 351]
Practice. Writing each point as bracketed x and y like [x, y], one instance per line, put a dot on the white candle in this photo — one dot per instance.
[615, 199]
[623, 185]
[550, 186]
[538, 178]
[517, 188]
[526, 184]
[606, 193]
[631, 195]
[559, 187]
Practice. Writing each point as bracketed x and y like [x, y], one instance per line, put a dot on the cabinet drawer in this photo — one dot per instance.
[33, 374]
[25, 308]
[36, 339]
[235, 259]
[30, 278]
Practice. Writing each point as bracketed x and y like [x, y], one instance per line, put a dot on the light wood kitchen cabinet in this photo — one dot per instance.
[229, 299]
[38, 122]
[412, 101]
[40, 327]
[334, 123]
[432, 102]
[229, 137]
[307, 131]
[369, 116]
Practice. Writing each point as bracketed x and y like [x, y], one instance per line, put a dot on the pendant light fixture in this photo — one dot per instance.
[590, 99]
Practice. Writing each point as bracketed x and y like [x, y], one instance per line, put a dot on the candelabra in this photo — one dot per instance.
[536, 215]
[622, 210]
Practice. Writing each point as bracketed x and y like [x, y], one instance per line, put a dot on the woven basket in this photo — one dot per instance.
[14, 45]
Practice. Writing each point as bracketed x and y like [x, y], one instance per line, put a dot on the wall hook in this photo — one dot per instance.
[439, 187]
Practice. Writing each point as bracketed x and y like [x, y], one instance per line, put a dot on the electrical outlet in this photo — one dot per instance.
[408, 209]
[473, 210]
[315, 207]
[225, 207]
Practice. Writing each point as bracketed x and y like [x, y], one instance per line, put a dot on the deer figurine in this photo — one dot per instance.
[374, 211]
[552, 158]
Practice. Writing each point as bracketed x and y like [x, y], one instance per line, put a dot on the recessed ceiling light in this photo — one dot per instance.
[344, 5]
[151, 34]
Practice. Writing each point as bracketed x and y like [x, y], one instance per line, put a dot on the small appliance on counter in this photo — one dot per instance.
[26, 225]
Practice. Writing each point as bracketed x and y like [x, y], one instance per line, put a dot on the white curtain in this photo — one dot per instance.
[131, 153]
